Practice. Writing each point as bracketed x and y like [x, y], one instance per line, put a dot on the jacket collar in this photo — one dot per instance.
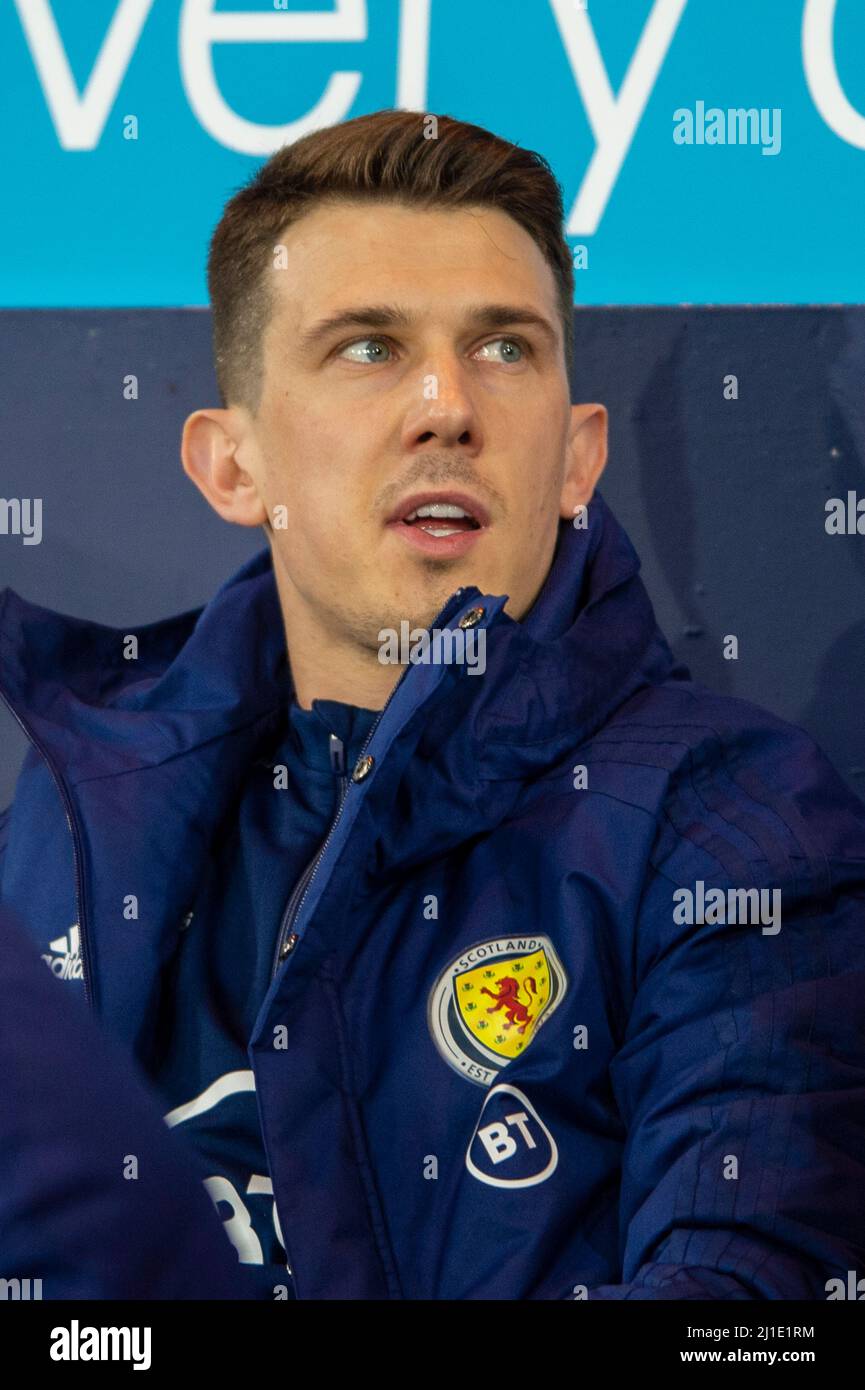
[455, 751]
[589, 642]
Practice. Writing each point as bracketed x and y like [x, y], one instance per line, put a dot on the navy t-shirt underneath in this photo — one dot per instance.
[222, 968]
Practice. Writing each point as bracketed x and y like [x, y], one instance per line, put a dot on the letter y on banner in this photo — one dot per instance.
[613, 119]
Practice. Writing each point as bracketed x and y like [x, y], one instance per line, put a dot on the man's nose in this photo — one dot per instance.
[443, 408]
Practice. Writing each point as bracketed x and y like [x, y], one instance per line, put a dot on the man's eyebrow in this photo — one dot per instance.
[365, 316]
[479, 318]
[484, 316]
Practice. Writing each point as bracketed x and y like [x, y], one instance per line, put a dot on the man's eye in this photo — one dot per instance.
[510, 344]
[376, 355]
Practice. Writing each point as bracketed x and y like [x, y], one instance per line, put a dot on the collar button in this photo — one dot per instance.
[288, 945]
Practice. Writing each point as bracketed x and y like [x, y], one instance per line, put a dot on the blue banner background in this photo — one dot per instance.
[126, 223]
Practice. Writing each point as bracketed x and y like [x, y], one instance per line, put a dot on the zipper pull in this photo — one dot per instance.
[337, 760]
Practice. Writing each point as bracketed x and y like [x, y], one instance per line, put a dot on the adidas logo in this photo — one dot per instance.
[66, 961]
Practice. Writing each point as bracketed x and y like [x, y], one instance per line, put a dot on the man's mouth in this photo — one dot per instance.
[445, 524]
[441, 519]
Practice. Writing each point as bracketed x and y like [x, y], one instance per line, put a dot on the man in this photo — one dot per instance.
[478, 950]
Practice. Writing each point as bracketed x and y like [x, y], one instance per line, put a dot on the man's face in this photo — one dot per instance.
[421, 399]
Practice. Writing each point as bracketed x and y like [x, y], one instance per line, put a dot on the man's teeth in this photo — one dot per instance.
[440, 511]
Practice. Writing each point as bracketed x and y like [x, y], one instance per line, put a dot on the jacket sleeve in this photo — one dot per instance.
[741, 1078]
[97, 1198]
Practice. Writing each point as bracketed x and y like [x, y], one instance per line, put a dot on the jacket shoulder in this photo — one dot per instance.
[734, 783]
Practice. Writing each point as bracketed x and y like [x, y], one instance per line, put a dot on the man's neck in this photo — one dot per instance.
[324, 668]
[336, 673]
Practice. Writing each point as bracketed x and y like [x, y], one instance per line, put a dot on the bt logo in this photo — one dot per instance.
[511, 1145]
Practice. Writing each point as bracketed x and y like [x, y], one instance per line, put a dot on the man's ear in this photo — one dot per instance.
[586, 456]
[209, 451]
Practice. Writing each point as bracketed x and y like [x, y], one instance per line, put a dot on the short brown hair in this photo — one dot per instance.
[385, 155]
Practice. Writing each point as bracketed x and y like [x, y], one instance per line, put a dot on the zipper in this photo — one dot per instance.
[287, 939]
[76, 842]
[337, 762]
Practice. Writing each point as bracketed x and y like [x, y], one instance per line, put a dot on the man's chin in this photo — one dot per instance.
[421, 609]
[416, 586]
[417, 616]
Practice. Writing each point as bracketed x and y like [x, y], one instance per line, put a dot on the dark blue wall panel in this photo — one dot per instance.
[724, 499]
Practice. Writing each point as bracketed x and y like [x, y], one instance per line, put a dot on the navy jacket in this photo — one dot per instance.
[528, 1036]
[95, 1188]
